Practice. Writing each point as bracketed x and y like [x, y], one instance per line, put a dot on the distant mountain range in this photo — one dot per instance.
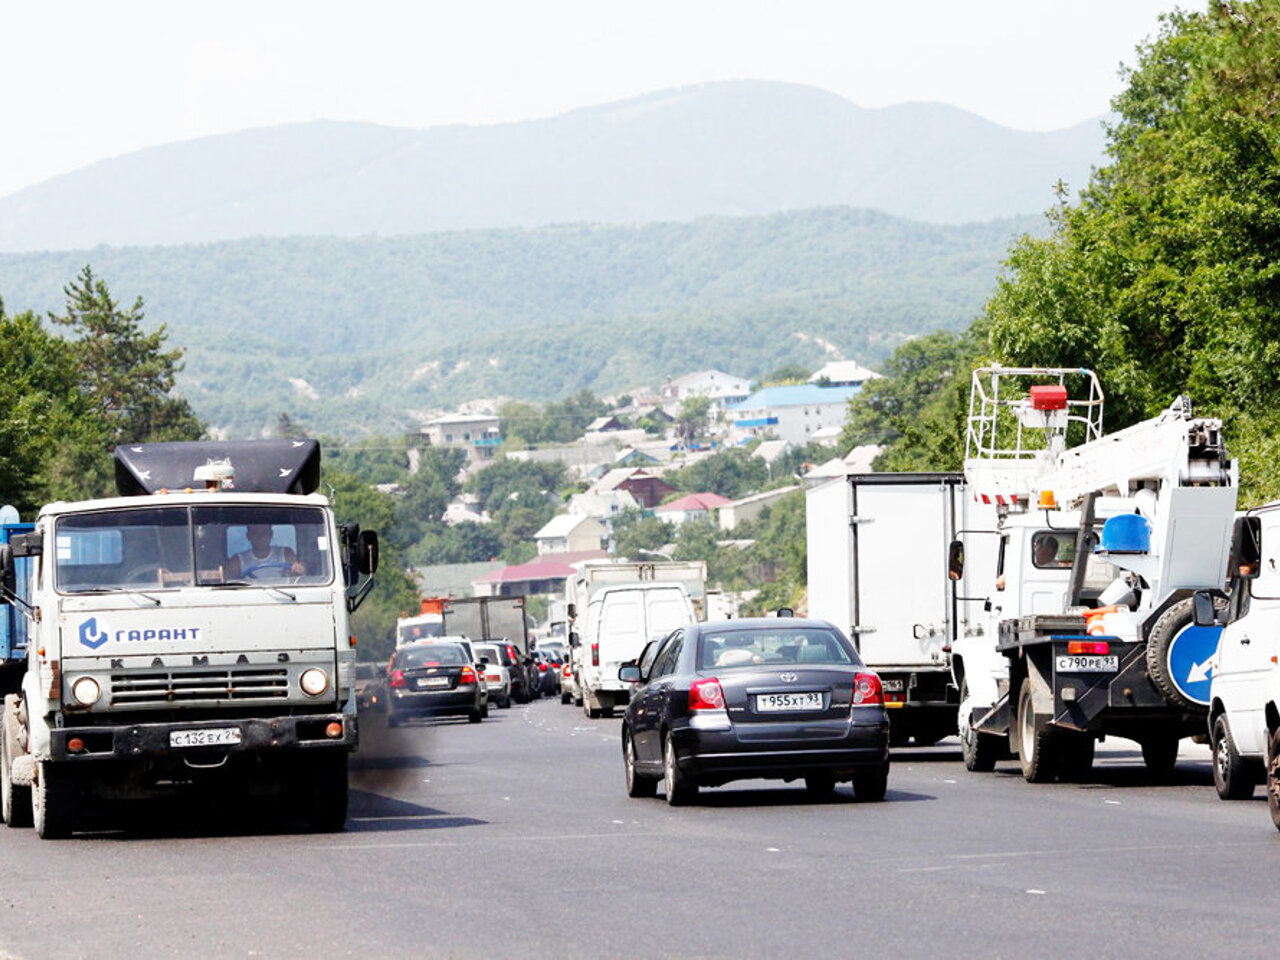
[359, 336]
[728, 149]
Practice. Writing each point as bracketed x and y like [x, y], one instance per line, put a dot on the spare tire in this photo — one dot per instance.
[1164, 633]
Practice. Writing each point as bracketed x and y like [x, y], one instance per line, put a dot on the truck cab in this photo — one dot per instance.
[1244, 687]
[192, 631]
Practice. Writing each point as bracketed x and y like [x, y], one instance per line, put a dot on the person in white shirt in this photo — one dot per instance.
[262, 560]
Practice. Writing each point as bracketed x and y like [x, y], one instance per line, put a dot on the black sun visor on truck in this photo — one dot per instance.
[247, 466]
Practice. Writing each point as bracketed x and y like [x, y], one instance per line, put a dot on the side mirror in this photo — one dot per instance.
[629, 673]
[1203, 612]
[786, 612]
[574, 639]
[572, 610]
[955, 560]
[26, 545]
[367, 552]
[484, 661]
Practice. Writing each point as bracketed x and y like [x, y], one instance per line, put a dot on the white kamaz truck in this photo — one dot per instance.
[190, 633]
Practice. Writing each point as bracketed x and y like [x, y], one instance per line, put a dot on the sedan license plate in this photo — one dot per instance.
[432, 682]
[782, 702]
[215, 737]
[1088, 664]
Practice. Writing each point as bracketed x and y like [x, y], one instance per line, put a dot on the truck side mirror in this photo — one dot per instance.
[1203, 612]
[27, 545]
[955, 560]
[574, 639]
[572, 610]
[367, 552]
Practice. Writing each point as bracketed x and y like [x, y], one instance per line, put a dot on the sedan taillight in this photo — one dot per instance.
[706, 695]
[568, 670]
[397, 678]
[468, 676]
[866, 690]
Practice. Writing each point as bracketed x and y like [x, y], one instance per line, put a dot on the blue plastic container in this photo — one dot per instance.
[1127, 533]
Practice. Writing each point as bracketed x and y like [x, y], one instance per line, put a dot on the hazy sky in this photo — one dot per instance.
[85, 80]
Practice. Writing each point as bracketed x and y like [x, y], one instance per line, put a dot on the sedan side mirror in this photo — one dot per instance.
[629, 673]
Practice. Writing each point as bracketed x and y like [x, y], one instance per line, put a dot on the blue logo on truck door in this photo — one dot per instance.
[93, 636]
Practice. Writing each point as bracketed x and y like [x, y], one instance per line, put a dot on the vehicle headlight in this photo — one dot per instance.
[86, 691]
[314, 682]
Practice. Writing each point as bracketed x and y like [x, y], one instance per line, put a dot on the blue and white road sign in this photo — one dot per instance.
[1188, 661]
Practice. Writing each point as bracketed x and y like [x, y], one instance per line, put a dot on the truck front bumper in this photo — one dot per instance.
[258, 734]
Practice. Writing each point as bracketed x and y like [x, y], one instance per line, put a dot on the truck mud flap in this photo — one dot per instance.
[993, 720]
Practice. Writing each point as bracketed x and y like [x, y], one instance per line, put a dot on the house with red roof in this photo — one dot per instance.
[692, 506]
[546, 574]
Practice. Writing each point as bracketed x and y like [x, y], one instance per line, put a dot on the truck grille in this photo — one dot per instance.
[244, 683]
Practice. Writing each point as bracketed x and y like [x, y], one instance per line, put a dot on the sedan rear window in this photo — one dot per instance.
[743, 648]
[444, 654]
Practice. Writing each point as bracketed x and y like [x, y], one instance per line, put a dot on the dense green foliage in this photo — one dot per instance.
[359, 337]
[559, 421]
[66, 402]
[1165, 277]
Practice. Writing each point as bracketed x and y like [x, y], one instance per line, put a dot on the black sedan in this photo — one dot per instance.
[776, 698]
[432, 680]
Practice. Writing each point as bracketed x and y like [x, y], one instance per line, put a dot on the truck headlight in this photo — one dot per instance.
[86, 691]
[314, 682]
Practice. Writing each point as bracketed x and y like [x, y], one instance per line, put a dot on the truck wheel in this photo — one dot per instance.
[1273, 779]
[871, 783]
[591, 713]
[637, 784]
[15, 801]
[325, 788]
[980, 751]
[565, 697]
[1035, 740]
[1075, 755]
[1160, 754]
[1232, 777]
[53, 801]
[1164, 631]
[679, 790]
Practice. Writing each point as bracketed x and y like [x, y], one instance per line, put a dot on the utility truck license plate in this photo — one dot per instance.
[781, 702]
[215, 737]
[1088, 664]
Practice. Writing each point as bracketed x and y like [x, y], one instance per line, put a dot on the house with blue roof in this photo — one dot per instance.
[791, 413]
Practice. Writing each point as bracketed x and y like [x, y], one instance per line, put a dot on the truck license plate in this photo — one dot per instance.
[215, 737]
[780, 702]
[1088, 664]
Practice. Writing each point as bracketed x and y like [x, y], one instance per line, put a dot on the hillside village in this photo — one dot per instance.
[621, 461]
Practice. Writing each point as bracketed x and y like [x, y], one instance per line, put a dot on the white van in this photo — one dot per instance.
[618, 621]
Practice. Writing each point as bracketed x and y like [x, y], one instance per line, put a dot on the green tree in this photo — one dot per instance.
[127, 374]
[730, 473]
[634, 534]
[48, 431]
[691, 423]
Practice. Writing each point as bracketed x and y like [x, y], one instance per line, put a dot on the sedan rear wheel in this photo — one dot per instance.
[637, 784]
[871, 783]
[679, 790]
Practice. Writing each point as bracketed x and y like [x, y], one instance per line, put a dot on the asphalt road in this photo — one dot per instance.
[515, 838]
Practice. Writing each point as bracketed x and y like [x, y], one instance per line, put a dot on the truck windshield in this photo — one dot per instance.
[182, 546]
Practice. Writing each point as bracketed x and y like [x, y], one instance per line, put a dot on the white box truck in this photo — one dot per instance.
[615, 608]
[878, 547]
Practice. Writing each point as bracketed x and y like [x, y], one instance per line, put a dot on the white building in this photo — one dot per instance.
[570, 532]
[791, 413]
[843, 373]
[715, 385]
[477, 433]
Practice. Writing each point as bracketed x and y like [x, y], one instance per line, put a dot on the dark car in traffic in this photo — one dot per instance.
[774, 697]
[433, 680]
